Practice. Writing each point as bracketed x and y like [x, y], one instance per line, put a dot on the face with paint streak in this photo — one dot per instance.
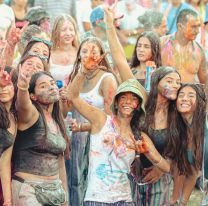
[67, 32]
[46, 90]
[6, 93]
[89, 48]
[169, 85]
[143, 49]
[191, 29]
[186, 101]
[127, 103]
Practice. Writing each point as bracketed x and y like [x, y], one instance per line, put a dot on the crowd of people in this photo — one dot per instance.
[103, 102]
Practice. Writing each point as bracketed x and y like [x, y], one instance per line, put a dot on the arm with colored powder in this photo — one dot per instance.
[117, 50]
[27, 113]
[108, 89]
[94, 115]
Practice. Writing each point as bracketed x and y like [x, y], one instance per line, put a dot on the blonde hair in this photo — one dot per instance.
[55, 37]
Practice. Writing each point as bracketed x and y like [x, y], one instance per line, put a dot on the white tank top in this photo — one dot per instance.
[93, 97]
[60, 72]
[109, 163]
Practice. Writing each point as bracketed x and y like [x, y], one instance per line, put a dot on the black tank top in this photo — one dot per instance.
[6, 140]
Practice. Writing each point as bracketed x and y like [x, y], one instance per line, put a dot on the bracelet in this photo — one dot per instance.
[79, 127]
[158, 163]
[22, 88]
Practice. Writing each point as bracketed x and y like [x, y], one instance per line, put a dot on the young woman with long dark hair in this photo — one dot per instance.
[100, 83]
[41, 140]
[191, 105]
[147, 49]
[111, 141]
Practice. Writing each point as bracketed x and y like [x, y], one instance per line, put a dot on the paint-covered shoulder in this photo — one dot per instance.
[166, 39]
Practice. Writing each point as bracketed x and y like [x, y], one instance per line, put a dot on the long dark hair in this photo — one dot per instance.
[173, 132]
[4, 116]
[196, 131]
[155, 48]
[104, 63]
[56, 112]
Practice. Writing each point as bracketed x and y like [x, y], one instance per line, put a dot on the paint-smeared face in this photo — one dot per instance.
[46, 90]
[67, 32]
[191, 29]
[162, 29]
[144, 51]
[41, 49]
[32, 65]
[89, 49]
[6, 93]
[186, 101]
[169, 85]
[127, 103]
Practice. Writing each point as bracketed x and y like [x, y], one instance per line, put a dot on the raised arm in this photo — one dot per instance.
[117, 51]
[108, 88]
[27, 113]
[94, 115]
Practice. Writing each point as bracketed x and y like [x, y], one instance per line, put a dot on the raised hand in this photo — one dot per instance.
[139, 146]
[15, 34]
[23, 79]
[93, 62]
[5, 77]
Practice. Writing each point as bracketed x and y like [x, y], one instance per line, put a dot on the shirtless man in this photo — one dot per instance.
[181, 51]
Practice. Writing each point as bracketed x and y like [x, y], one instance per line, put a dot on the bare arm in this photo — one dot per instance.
[108, 88]
[202, 73]
[118, 52]
[94, 115]
[188, 187]
[27, 113]
[5, 173]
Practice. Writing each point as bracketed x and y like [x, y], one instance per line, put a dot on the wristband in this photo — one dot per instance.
[79, 127]
[22, 88]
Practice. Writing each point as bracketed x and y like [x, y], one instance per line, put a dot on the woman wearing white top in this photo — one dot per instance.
[65, 46]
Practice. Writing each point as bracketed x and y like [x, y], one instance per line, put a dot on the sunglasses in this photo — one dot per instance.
[34, 54]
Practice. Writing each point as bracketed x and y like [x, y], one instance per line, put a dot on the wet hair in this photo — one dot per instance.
[182, 16]
[31, 44]
[155, 48]
[56, 112]
[104, 63]
[30, 31]
[197, 132]
[173, 133]
[27, 56]
[4, 115]
[151, 19]
[55, 37]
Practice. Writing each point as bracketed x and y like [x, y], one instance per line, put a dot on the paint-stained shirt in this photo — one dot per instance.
[109, 163]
